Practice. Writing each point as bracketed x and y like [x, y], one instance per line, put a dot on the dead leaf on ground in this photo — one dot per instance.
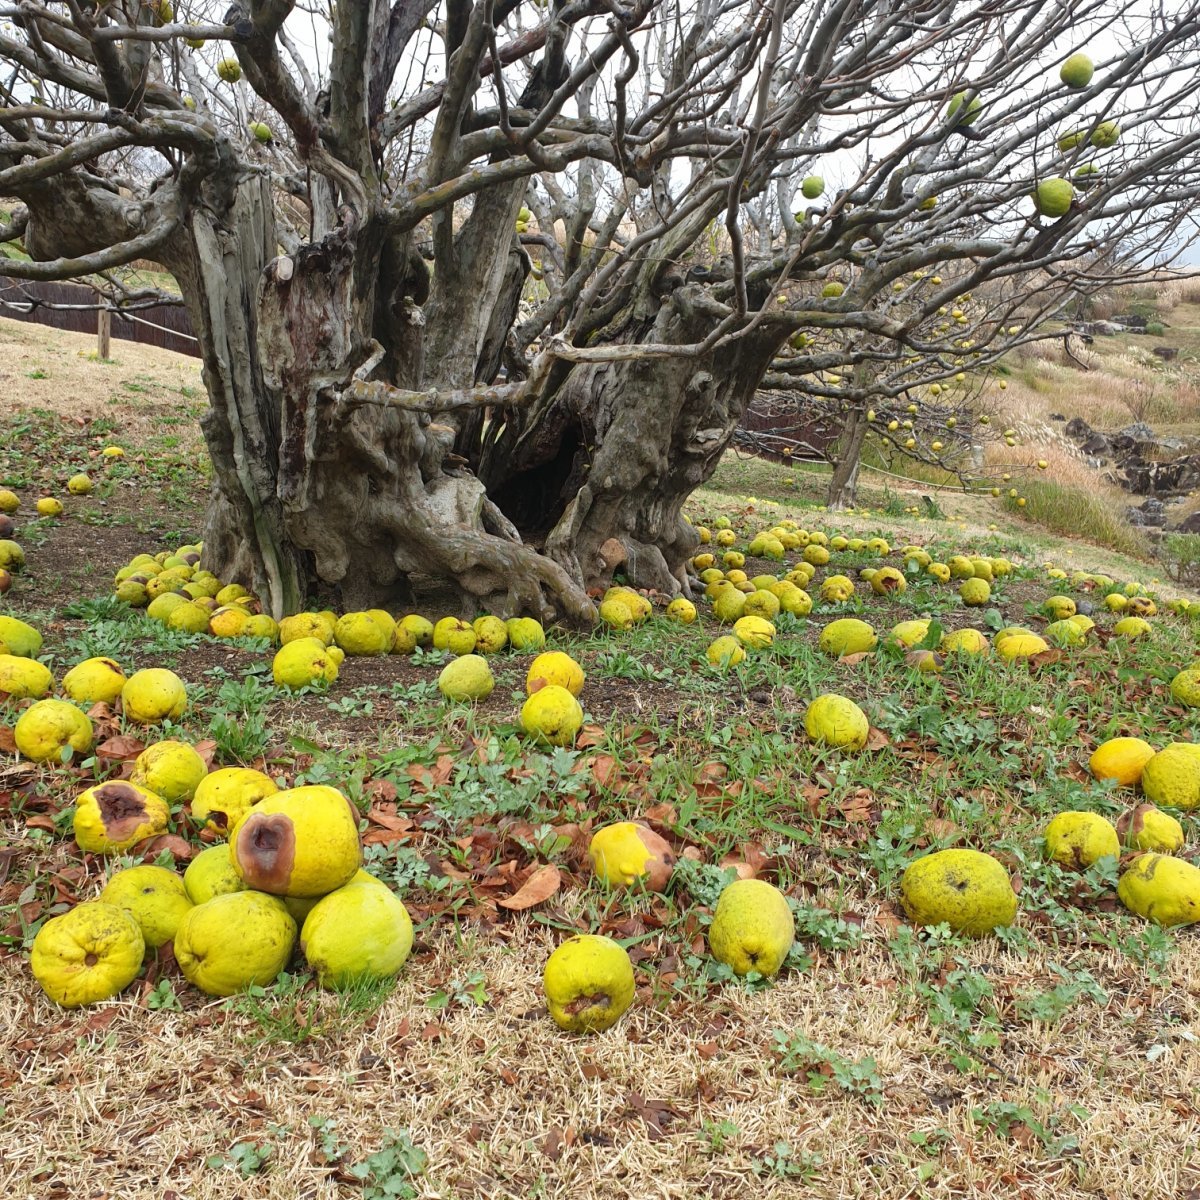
[537, 889]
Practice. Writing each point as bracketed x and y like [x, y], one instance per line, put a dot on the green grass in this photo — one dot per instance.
[1078, 513]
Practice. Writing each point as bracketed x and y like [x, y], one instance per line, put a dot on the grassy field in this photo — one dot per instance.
[1057, 1058]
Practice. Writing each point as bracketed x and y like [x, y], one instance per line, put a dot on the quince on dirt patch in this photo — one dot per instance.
[51, 730]
[87, 954]
[154, 897]
[554, 667]
[94, 681]
[835, 720]
[172, 769]
[1078, 839]
[302, 842]
[588, 983]
[112, 817]
[211, 873]
[753, 928]
[153, 695]
[467, 677]
[359, 931]
[1148, 828]
[303, 662]
[1162, 889]
[223, 797]
[966, 889]
[234, 941]
[552, 716]
[628, 852]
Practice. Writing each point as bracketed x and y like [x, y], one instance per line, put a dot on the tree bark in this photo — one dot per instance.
[843, 484]
[605, 466]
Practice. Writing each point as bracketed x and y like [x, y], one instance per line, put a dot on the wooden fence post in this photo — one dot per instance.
[104, 334]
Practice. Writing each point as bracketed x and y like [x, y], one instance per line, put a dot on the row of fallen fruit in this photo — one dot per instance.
[291, 872]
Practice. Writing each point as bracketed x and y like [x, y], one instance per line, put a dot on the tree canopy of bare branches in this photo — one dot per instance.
[483, 286]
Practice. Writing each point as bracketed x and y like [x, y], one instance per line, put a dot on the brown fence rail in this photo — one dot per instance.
[164, 325]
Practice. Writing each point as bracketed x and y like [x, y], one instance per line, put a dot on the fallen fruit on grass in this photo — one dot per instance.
[94, 681]
[847, 636]
[22, 639]
[1121, 759]
[12, 557]
[171, 769]
[1078, 839]
[725, 651]
[1132, 628]
[79, 485]
[24, 678]
[552, 716]
[48, 506]
[1020, 645]
[1162, 889]
[223, 797]
[412, 631]
[360, 635]
[455, 635]
[588, 983]
[965, 641]
[1149, 828]
[301, 842]
[1185, 687]
[629, 852]
[359, 931]
[835, 720]
[234, 941]
[753, 927]
[154, 897]
[302, 662]
[153, 695]
[491, 635]
[1172, 776]
[966, 889]
[757, 633]
[466, 678]
[9, 501]
[525, 634]
[682, 610]
[46, 730]
[87, 954]
[111, 817]
[975, 592]
[211, 873]
[554, 667]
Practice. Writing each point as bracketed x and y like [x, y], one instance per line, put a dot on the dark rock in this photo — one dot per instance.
[1139, 431]
[1103, 328]
[1166, 353]
[1147, 515]
[1096, 445]
[1161, 478]
[1078, 428]
[1057, 417]
[1131, 321]
[1085, 607]
[1189, 524]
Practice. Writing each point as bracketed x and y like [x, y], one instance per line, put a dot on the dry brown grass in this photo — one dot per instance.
[125, 1103]
[52, 369]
